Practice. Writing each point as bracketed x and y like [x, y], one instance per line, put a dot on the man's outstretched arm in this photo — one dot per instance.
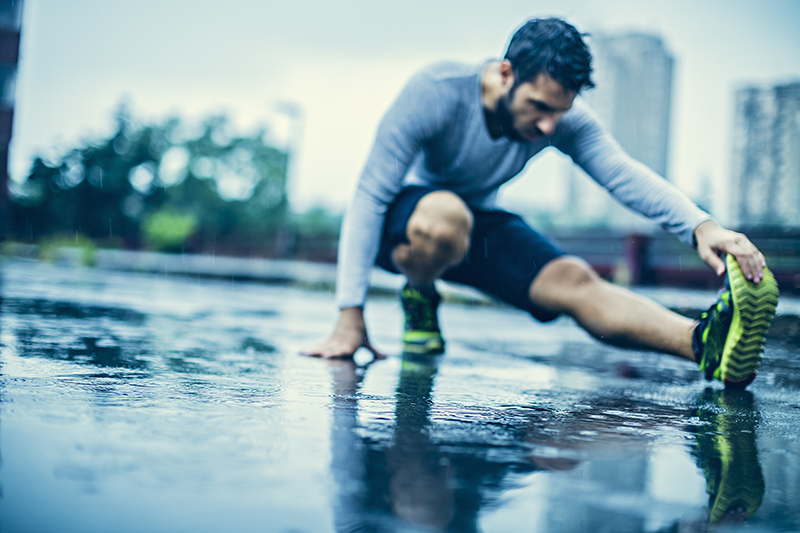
[712, 239]
[647, 193]
[350, 335]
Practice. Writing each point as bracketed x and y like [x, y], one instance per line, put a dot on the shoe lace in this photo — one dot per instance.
[713, 329]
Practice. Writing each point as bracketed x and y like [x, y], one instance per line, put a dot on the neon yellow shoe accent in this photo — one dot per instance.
[423, 342]
[422, 334]
[753, 309]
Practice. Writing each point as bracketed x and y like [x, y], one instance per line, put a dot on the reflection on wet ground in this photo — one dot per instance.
[146, 403]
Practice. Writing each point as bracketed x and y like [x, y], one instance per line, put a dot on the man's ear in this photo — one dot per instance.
[507, 73]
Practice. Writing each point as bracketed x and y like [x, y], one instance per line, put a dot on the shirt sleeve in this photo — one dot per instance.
[634, 184]
[418, 114]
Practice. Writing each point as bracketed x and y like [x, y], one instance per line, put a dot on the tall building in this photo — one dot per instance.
[10, 22]
[765, 165]
[633, 74]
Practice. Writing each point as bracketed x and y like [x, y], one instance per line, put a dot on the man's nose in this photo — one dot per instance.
[546, 125]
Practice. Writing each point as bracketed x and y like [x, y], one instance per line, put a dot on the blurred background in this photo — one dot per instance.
[241, 129]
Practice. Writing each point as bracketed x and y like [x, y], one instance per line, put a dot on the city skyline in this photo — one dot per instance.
[344, 65]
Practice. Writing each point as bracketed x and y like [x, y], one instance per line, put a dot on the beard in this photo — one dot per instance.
[506, 119]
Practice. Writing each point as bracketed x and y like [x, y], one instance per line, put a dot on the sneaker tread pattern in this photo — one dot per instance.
[753, 309]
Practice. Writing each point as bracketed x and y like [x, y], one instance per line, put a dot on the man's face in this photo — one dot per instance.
[532, 109]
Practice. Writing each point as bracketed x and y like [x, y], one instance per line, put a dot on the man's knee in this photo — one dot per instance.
[571, 272]
[562, 283]
[440, 227]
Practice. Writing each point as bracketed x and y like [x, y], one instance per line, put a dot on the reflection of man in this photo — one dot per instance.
[421, 488]
[444, 474]
[409, 478]
[425, 207]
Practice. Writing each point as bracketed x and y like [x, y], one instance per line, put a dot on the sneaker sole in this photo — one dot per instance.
[423, 342]
[753, 309]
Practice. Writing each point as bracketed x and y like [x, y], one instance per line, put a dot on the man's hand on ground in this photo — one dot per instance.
[712, 239]
[350, 335]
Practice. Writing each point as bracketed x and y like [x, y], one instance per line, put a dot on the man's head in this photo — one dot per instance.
[546, 65]
[553, 47]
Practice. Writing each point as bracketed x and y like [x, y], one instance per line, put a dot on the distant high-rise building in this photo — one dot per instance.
[633, 74]
[765, 165]
[10, 23]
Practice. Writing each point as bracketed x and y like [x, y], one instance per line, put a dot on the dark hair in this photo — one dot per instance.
[554, 47]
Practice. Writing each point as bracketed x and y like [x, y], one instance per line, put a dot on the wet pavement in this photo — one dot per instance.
[146, 402]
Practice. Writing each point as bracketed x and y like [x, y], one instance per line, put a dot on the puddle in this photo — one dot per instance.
[132, 402]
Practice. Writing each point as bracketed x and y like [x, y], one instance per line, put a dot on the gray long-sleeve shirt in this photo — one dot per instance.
[435, 134]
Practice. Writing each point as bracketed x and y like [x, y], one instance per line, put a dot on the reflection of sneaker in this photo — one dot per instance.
[729, 337]
[415, 366]
[422, 333]
[727, 453]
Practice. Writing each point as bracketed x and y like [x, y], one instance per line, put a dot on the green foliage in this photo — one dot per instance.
[167, 230]
[49, 247]
[124, 189]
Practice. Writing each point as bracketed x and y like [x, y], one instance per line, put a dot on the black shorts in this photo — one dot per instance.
[505, 254]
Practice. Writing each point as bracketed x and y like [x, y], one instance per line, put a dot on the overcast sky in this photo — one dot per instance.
[344, 62]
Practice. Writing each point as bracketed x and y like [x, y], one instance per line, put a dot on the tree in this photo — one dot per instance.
[232, 187]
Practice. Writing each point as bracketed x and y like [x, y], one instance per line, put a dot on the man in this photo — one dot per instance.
[425, 207]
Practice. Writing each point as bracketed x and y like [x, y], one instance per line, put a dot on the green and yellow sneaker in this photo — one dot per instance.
[422, 335]
[726, 451]
[729, 337]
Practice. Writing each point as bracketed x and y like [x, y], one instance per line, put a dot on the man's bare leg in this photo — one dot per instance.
[438, 232]
[609, 312]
